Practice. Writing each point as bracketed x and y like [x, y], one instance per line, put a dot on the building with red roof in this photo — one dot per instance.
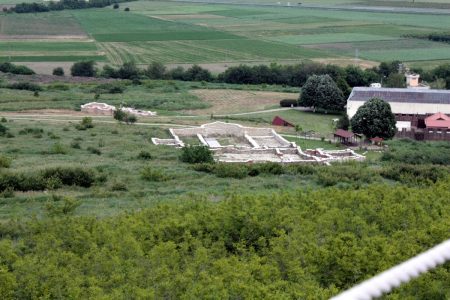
[278, 121]
[438, 120]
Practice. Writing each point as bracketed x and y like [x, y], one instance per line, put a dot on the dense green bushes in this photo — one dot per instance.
[303, 245]
[28, 86]
[196, 154]
[289, 103]
[47, 179]
[8, 67]
[415, 174]
[35, 7]
[415, 152]
[5, 162]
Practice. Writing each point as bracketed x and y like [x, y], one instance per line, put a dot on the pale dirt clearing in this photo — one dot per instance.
[233, 101]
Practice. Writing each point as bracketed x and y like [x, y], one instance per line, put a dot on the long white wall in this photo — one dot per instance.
[403, 108]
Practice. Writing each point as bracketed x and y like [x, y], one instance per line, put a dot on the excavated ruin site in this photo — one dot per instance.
[236, 143]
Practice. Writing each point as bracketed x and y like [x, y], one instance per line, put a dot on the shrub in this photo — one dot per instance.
[127, 9]
[58, 148]
[71, 175]
[301, 169]
[61, 205]
[36, 132]
[123, 116]
[227, 170]
[58, 71]
[116, 5]
[5, 162]
[131, 119]
[75, 145]
[204, 167]
[85, 123]
[94, 150]
[266, 168]
[109, 88]
[151, 174]
[3, 130]
[289, 103]
[144, 155]
[58, 87]
[8, 67]
[196, 154]
[28, 86]
[3, 120]
[119, 186]
[7, 193]
[414, 174]
[349, 173]
[83, 68]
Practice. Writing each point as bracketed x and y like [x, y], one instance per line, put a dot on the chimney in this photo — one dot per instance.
[412, 80]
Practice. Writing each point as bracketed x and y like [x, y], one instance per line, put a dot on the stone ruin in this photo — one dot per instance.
[235, 143]
[104, 109]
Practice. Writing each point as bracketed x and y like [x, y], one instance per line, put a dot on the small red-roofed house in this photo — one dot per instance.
[278, 121]
[438, 121]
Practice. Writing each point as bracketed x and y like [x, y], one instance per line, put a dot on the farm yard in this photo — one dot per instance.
[204, 33]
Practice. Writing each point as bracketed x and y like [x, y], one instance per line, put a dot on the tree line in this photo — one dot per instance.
[290, 75]
[35, 7]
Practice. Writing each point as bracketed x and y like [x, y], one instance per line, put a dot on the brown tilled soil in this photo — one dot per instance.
[233, 101]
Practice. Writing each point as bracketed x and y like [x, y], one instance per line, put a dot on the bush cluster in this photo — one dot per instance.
[123, 116]
[414, 152]
[8, 67]
[415, 174]
[49, 178]
[150, 173]
[85, 123]
[196, 154]
[109, 88]
[144, 155]
[5, 162]
[343, 174]
[24, 85]
[3, 130]
[289, 103]
[35, 7]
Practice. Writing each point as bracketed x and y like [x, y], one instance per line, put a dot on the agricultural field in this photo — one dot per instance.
[206, 33]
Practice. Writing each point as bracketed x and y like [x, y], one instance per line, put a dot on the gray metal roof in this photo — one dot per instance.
[401, 95]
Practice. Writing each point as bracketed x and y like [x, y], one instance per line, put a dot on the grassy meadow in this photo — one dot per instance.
[174, 33]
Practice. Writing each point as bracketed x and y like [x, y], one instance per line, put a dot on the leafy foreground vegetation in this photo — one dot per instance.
[302, 245]
[111, 216]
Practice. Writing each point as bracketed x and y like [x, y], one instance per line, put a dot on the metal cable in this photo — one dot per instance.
[404, 272]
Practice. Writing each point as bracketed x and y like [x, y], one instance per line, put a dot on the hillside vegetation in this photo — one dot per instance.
[307, 244]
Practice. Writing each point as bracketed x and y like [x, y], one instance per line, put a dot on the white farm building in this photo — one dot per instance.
[402, 101]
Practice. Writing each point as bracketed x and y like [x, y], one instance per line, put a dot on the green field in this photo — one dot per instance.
[219, 33]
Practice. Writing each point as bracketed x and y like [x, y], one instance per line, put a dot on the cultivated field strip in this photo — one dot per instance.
[179, 33]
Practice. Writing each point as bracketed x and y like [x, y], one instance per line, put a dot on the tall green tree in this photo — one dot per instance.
[321, 92]
[83, 68]
[374, 118]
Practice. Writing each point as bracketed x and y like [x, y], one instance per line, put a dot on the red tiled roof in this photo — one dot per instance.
[344, 133]
[438, 120]
[377, 139]
[281, 122]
